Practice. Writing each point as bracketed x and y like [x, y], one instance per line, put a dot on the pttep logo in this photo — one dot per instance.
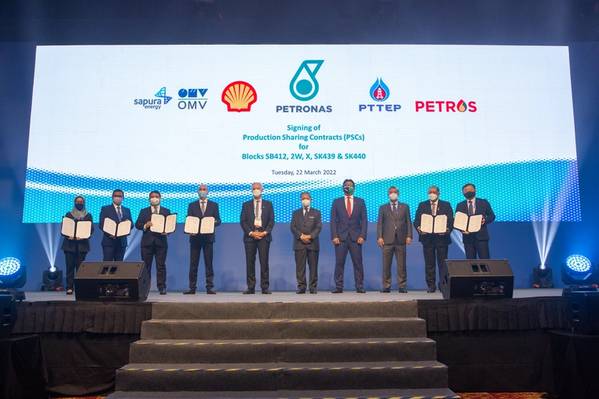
[379, 92]
[445, 106]
[303, 85]
[239, 96]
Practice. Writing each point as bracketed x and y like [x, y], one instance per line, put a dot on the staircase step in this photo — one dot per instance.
[281, 310]
[277, 376]
[372, 327]
[281, 350]
[321, 394]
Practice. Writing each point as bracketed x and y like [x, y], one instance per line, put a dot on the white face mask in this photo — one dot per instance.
[433, 196]
[393, 196]
[203, 194]
[257, 193]
[306, 203]
[154, 201]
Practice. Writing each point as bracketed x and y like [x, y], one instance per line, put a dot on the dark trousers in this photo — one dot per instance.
[355, 251]
[311, 256]
[262, 247]
[435, 253]
[195, 248]
[399, 250]
[476, 248]
[73, 260]
[150, 252]
[114, 252]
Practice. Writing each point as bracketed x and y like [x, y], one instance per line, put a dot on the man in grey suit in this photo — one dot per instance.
[394, 232]
[306, 224]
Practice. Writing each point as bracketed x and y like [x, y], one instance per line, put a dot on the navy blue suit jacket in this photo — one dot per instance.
[482, 207]
[247, 219]
[109, 212]
[150, 237]
[193, 209]
[344, 226]
[443, 208]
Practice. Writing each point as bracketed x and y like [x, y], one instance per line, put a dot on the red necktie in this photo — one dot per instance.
[348, 206]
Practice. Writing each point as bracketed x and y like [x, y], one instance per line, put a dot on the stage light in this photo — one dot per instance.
[52, 279]
[542, 277]
[12, 273]
[579, 271]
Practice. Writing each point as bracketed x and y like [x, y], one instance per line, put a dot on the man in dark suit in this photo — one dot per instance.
[434, 245]
[476, 245]
[349, 225]
[306, 224]
[394, 232]
[257, 221]
[153, 245]
[113, 248]
[198, 242]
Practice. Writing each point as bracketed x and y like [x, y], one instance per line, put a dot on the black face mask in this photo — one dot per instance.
[469, 194]
[349, 190]
[79, 207]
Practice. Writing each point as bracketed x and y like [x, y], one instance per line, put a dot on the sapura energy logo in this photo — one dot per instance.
[379, 92]
[304, 87]
[239, 96]
[192, 99]
[159, 99]
[446, 106]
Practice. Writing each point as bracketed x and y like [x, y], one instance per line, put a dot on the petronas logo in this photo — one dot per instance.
[303, 85]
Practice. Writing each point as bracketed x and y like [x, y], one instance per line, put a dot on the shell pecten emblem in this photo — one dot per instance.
[239, 96]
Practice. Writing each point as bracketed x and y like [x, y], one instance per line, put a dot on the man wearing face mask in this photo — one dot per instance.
[75, 250]
[153, 245]
[394, 232]
[476, 245]
[306, 225]
[113, 248]
[257, 221]
[198, 242]
[434, 246]
[349, 225]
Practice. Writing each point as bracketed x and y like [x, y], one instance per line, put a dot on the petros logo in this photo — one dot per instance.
[445, 106]
[379, 92]
[159, 99]
[304, 87]
[192, 99]
[239, 96]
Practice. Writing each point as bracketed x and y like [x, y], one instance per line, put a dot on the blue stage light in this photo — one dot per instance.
[9, 266]
[579, 263]
[12, 273]
[578, 270]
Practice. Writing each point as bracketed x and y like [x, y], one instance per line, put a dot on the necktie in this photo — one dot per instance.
[348, 206]
[394, 208]
[203, 206]
[470, 208]
[434, 208]
[118, 213]
[154, 210]
[305, 211]
[257, 210]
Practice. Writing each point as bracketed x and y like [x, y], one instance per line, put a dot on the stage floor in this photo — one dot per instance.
[322, 296]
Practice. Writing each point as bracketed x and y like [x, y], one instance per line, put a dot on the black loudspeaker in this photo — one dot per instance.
[116, 281]
[479, 278]
[583, 311]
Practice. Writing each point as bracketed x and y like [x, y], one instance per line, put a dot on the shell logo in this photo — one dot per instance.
[239, 96]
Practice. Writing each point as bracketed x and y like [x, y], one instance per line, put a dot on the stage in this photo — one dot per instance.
[286, 296]
[505, 341]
